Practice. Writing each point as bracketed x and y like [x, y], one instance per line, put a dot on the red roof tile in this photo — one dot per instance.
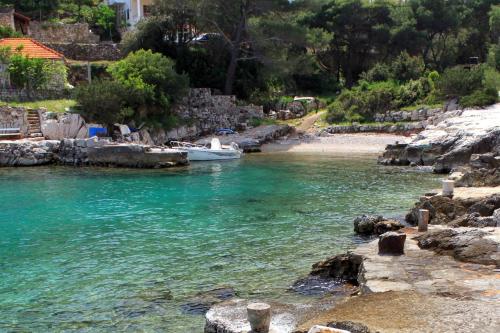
[31, 48]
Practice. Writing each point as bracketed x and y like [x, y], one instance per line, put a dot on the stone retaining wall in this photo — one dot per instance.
[415, 115]
[204, 113]
[377, 128]
[62, 33]
[88, 51]
[23, 95]
[14, 117]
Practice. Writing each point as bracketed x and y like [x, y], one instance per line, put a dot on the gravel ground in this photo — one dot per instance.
[337, 144]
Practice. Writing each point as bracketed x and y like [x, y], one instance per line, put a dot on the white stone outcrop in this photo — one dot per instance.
[451, 140]
[66, 126]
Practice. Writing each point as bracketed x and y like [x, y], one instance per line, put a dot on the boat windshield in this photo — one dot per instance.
[179, 144]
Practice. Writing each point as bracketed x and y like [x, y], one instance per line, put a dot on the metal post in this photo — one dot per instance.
[423, 220]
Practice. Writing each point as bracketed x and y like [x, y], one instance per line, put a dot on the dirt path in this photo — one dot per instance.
[309, 121]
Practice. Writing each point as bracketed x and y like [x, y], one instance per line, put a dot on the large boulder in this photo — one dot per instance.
[477, 221]
[342, 266]
[365, 224]
[442, 210]
[479, 246]
[387, 225]
[375, 224]
[479, 178]
[392, 243]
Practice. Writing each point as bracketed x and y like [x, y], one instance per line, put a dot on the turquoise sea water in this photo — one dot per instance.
[102, 250]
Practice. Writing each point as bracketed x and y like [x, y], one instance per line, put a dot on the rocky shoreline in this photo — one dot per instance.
[449, 273]
[457, 140]
[441, 280]
[87, 152]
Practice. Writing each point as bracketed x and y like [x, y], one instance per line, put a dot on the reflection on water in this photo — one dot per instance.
[122, 250]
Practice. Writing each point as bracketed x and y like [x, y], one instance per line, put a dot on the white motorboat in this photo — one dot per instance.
[215, 152]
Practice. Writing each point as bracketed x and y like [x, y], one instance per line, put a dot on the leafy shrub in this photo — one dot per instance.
[379, 72]
[6, 32]
[494, 57]
[413, 92]
[363, 102]
[105, 102]
[29, 73]
[460, 81]
[152, 74]
[142, 88]
[480, 98]
[405, 67]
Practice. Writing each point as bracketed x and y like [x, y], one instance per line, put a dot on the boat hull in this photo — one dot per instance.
[212, 155]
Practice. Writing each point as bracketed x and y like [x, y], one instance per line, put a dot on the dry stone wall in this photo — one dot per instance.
[62, 33]
[204, 113]
[14, 117]
[87, 51]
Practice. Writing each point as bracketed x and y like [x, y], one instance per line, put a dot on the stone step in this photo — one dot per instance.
[36, 135]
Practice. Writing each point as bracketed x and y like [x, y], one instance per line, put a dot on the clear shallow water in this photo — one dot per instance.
[101, 249]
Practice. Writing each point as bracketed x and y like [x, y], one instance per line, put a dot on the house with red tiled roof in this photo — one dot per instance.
[30, 48]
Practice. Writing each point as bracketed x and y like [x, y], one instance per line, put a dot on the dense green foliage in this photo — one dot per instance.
[7, 32]
[32, 73]
[371, 56]
[143, 86]
[100, 17]
[477, 86]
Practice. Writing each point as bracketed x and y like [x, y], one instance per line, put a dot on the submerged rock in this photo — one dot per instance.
[314, 286]
[203, 301]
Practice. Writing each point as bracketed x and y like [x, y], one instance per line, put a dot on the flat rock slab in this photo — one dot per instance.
[231, 317]
[420, 291]
[411, 312]
[427, 272]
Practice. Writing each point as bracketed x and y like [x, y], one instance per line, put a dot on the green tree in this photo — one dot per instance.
[494, 23]
[29, 73]
[152, 77]
[360, 33]
[106, 102]
[104, 18]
